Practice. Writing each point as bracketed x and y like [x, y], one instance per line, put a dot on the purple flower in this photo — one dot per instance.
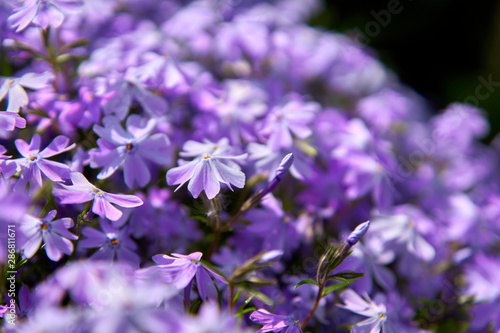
[14, 89]
[292, 117]
[34, 161]
[43, 13]
[274, 323]
[376, 313]
[112, 243]
[82, 191]
[213, 163]
[180, 270]
[357, 234]
[55, 235]
[130, 149]
[10, 120]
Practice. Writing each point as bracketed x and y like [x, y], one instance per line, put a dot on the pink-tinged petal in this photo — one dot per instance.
[35, 81]
[17, 98]
[69, 197]
[181, 174]
[204, 179]
[50, 216]
[35, 143]
[57, 146]
[355, 303]
[151, 103]
[228, 175]
[95, 238]
[124, 200]
[50, 16]
[23, 148]
[192, 256]
[135, 169]
[156, 149]
[113, 131]
[10, 120]
[23, 17]
[218, 277]
[185, 276]
[104, 209]
[36, 175]
[55, 171]
[163, 259]
[205, 284]
[120, 103]
[80, 182]
[370, 325]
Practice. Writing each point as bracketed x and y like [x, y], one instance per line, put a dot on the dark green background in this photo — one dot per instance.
[437, 47]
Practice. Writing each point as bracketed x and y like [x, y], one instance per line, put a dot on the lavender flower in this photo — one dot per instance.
[130, 149]
[274, 323]
[112, 243]
[14, 89]
[357, 234]
[34, 161]
[54, 234]
[376, 313]
[180, 270]
[82, 191]
[43, 13]
[213, 163]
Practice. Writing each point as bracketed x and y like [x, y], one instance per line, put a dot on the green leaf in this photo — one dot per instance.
[338, 278]
[306, 281]
[241, 309]
[263, 297]
[330, 289]
[348, 275]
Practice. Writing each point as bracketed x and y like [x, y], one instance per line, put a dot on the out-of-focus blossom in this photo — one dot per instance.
[13, 88]
[274, 323]
[10, 120]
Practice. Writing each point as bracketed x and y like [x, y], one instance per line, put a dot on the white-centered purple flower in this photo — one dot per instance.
[213, 164]
[113, 244]
[43, 13]
[13, 88]
[274, 323]
[35, 162]
[54, 233]
[130, 149]
[181, 270]
[376, 313]
[83, 191]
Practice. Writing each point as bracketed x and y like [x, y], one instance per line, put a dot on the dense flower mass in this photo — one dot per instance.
[105, 106]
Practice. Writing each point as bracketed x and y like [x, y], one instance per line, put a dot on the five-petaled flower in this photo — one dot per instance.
[83, 191]
[274, 323]
[213, 163]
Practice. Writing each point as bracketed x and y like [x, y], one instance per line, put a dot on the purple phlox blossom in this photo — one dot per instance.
[294, 117]
[83, 191]
[213, 163]
[13, 88]
[181, 270]
[35, 162]
[43, 13]
[131, 149]
[54, 233]
[377, 313]
[482, 277]
[113, 244]
[406, 230]
[274, 323]
[10, 120]
[266, 160]
[129, 89]
[50, 319]
[7, 169]
[279, 174]
[357, 234]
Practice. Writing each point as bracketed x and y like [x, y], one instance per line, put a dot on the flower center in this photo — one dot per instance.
[207, 156]
[98, 191]
[45, 226]
[129, 146]
[114, 241]
[32, 158]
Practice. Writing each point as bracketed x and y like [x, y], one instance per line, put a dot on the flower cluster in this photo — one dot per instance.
[287, 137]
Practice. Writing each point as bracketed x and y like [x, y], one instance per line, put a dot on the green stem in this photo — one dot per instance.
[315, 306]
